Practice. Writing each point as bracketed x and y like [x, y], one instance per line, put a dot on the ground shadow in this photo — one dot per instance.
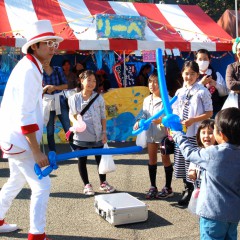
[4, 172]
[3, 160]
[67, 162]
[68, 195]
[153, 221]
[25, 193]
[142, 196]
[18, 235]
[137, 162]
[117, 161]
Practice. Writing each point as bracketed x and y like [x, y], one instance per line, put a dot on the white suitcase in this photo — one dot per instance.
[120, 208]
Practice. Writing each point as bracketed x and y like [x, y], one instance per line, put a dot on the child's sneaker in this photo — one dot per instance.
[106, 187]
[165, 193]
[5, 228]
[88, 190]
[152, 193]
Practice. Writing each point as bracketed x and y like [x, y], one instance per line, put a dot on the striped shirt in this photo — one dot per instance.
[186, 106]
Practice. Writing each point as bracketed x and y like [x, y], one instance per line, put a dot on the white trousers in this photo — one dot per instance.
[22, 171]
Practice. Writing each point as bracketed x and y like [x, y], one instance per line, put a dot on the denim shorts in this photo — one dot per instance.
[213, 229]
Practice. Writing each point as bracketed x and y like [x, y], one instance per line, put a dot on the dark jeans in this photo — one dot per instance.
[64, 119]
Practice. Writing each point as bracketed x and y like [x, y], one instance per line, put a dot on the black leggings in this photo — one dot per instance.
[82, 167]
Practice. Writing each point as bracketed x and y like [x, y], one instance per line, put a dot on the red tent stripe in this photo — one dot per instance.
[5, 39]
[224, 46]
[95, 7]
[183, 45]
[153, 14]
[103, 8]
[211, 28]
[59, 24]
[157, 15]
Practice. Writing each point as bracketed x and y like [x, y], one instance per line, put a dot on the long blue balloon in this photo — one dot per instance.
[144, 124]
[53, 158]
[171, 120]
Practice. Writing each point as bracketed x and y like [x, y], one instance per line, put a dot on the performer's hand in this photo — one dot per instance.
[41, 159]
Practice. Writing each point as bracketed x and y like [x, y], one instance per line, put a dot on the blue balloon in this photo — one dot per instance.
[53, 158]
[144, 124]
[171, 120]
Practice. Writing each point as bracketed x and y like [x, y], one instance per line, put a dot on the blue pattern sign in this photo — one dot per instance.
[119, 26]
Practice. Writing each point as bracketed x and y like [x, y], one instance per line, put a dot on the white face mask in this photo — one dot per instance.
[203, 65]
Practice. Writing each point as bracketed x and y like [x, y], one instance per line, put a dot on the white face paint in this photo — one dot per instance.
[203, 65]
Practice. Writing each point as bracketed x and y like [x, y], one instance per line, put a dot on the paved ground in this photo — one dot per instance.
[71, 214]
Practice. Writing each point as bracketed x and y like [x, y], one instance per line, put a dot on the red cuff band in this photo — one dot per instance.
[1, 222]
[36, 236]
[29, 128]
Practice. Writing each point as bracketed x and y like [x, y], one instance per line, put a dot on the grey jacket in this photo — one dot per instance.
[219, 197]
[97, 111]
[151, 106]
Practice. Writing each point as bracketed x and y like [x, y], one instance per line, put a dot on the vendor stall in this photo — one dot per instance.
[118, 27]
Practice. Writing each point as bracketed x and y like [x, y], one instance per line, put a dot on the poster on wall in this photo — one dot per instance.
[131, 74]
[149, 56]
[123, 108]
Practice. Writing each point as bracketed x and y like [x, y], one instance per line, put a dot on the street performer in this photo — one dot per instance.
[21, 127]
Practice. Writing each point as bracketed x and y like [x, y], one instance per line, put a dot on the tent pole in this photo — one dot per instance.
[124, 69]
[236, 13]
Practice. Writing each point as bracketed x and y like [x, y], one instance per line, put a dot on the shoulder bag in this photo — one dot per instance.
[167, 145]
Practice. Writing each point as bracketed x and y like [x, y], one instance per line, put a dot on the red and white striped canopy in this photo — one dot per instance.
[185, 27]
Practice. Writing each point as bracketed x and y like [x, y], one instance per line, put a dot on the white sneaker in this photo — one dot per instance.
[107, 188]
[88, 190]
[8, 228]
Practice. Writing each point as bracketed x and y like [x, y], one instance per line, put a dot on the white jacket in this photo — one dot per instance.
[22, 104]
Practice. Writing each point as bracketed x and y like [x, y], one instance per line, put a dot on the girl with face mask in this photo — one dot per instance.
[211, 79]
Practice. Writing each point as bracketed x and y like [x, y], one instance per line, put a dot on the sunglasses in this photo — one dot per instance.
[51, 43]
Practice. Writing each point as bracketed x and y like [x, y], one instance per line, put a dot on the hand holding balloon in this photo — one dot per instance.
[172, 121]
[78, 126]
[53, 158]
[144, 124]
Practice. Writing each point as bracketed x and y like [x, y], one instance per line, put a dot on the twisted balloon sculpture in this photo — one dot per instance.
[53, 158]
[171, 120]
[145, 124]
